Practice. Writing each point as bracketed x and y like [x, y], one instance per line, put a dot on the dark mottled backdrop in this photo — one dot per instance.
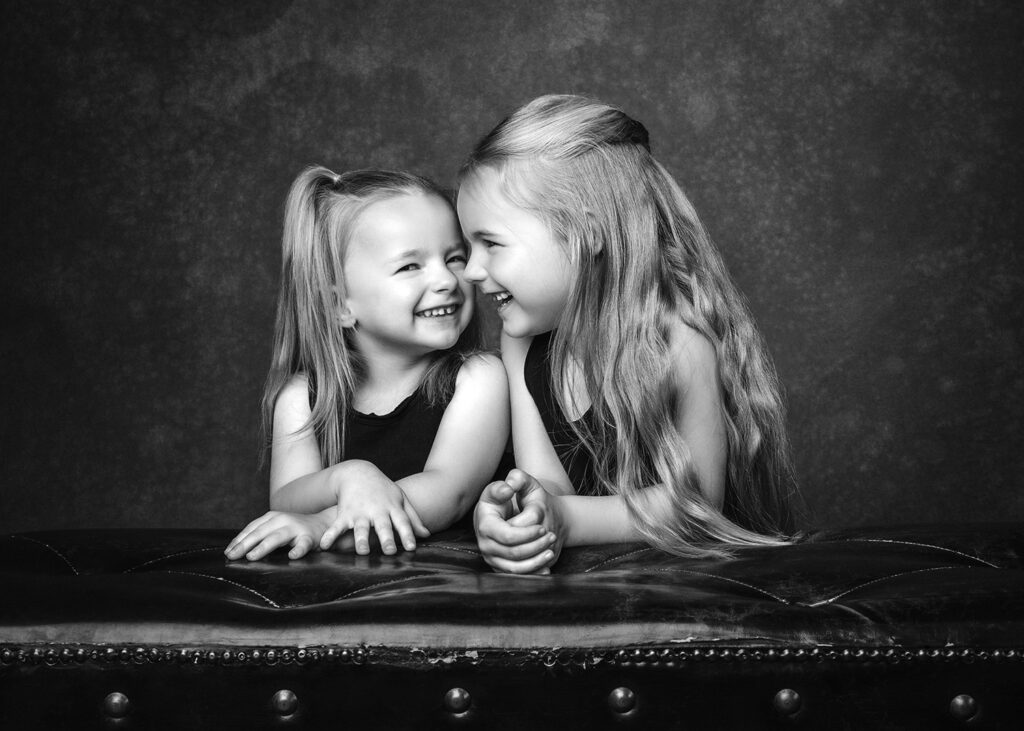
[859, 164]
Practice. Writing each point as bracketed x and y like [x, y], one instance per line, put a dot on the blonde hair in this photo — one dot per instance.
[643, 260]
[320, 214]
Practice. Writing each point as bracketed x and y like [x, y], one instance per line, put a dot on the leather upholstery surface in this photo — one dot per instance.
[878, 611]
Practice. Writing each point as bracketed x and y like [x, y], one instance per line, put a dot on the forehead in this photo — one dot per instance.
[410, 220]
[485, 193]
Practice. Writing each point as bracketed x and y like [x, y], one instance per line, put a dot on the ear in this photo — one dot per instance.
[345, 314]
[347, 318]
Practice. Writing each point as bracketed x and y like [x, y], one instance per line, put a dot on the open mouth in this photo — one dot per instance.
[501, 299]
[444, 311]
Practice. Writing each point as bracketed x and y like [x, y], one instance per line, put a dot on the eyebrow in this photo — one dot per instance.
[482, 234]
[413, 253]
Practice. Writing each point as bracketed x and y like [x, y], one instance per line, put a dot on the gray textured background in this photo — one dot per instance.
[859, 164]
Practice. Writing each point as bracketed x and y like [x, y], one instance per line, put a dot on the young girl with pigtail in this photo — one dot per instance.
[378, 383]
[644, 403]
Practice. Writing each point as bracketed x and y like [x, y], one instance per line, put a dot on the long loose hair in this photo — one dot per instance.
[643, 260]
[320, 215]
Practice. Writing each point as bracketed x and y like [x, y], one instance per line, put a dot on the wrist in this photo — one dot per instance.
[563, 509]
[347, 471]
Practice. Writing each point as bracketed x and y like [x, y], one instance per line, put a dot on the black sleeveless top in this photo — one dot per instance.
[398, 443]
[576, 461]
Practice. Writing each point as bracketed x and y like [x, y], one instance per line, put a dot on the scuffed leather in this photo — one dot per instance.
[927, 586]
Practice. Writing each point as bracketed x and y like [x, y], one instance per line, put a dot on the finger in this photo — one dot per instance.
[497, 493]
[528, 566]
[532, 514]
[272, 541]
[522, 552]
[400, 522]
[254, 537]
[385, 536]
[301, 546]
[244, 533]
[361, 531]
[417, 525]
[335, 529]
[502, 532]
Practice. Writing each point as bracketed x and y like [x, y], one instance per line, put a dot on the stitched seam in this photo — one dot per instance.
[380, 583]
[725, 578]
[616, 558]
[170, 555]
[452, 548]
[883, 578]
[923, 545]
[47, 545]
[268, 600]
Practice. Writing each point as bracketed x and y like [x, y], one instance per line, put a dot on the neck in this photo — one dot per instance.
[388, 379]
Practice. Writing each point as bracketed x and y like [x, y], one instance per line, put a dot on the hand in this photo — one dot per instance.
[371, 499]
[518, 543]
[275, 529]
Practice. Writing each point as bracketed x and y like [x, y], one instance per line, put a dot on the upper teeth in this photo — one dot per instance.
[438, 311]
[500, 297]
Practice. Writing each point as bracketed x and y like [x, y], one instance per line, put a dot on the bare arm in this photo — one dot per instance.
[700, 420]
[534, 451]
[299, 483]
[584, 520]
[467, 448]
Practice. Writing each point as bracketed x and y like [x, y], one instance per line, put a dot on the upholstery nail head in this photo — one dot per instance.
[457, 700]
[788, 702]
[963, 707]
[284, 702]
[622, 700]
[116, 705]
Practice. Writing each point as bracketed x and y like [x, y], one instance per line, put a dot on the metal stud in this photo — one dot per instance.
[284, 703]
[963, 707]
[622, 700]
[457, 700]
[788, 702]
[116, 705]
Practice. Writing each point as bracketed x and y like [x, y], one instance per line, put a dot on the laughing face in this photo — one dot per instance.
[406, 293]
[515, 259]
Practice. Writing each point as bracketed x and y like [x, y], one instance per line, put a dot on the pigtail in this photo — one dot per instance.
[321, 211]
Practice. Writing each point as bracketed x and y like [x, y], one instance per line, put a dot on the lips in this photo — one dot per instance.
[500, 299]
[442, 311]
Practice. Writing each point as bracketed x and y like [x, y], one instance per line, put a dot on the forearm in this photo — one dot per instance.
[592, 520]
[434, 499]
[316, 491]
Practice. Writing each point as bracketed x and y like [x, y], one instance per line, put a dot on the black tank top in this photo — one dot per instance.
[399, 442]
[576, 461]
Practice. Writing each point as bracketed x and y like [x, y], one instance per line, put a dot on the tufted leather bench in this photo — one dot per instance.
[908, 627]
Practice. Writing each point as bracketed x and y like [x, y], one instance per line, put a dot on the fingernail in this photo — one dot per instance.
[551, 537]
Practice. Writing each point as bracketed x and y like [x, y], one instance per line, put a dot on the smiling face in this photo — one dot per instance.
[405, 288]
[515, 259]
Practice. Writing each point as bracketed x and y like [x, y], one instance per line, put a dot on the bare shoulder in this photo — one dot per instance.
[297, 389]
[482, 370]
[293, 400]
[694, 356]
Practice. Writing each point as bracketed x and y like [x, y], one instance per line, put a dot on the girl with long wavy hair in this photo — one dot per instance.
[378, 381]
[644, 402]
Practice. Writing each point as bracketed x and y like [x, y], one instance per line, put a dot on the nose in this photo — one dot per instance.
[475, 272]
[444, 279]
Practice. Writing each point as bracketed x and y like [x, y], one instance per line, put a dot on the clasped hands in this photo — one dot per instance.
[519, 525]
